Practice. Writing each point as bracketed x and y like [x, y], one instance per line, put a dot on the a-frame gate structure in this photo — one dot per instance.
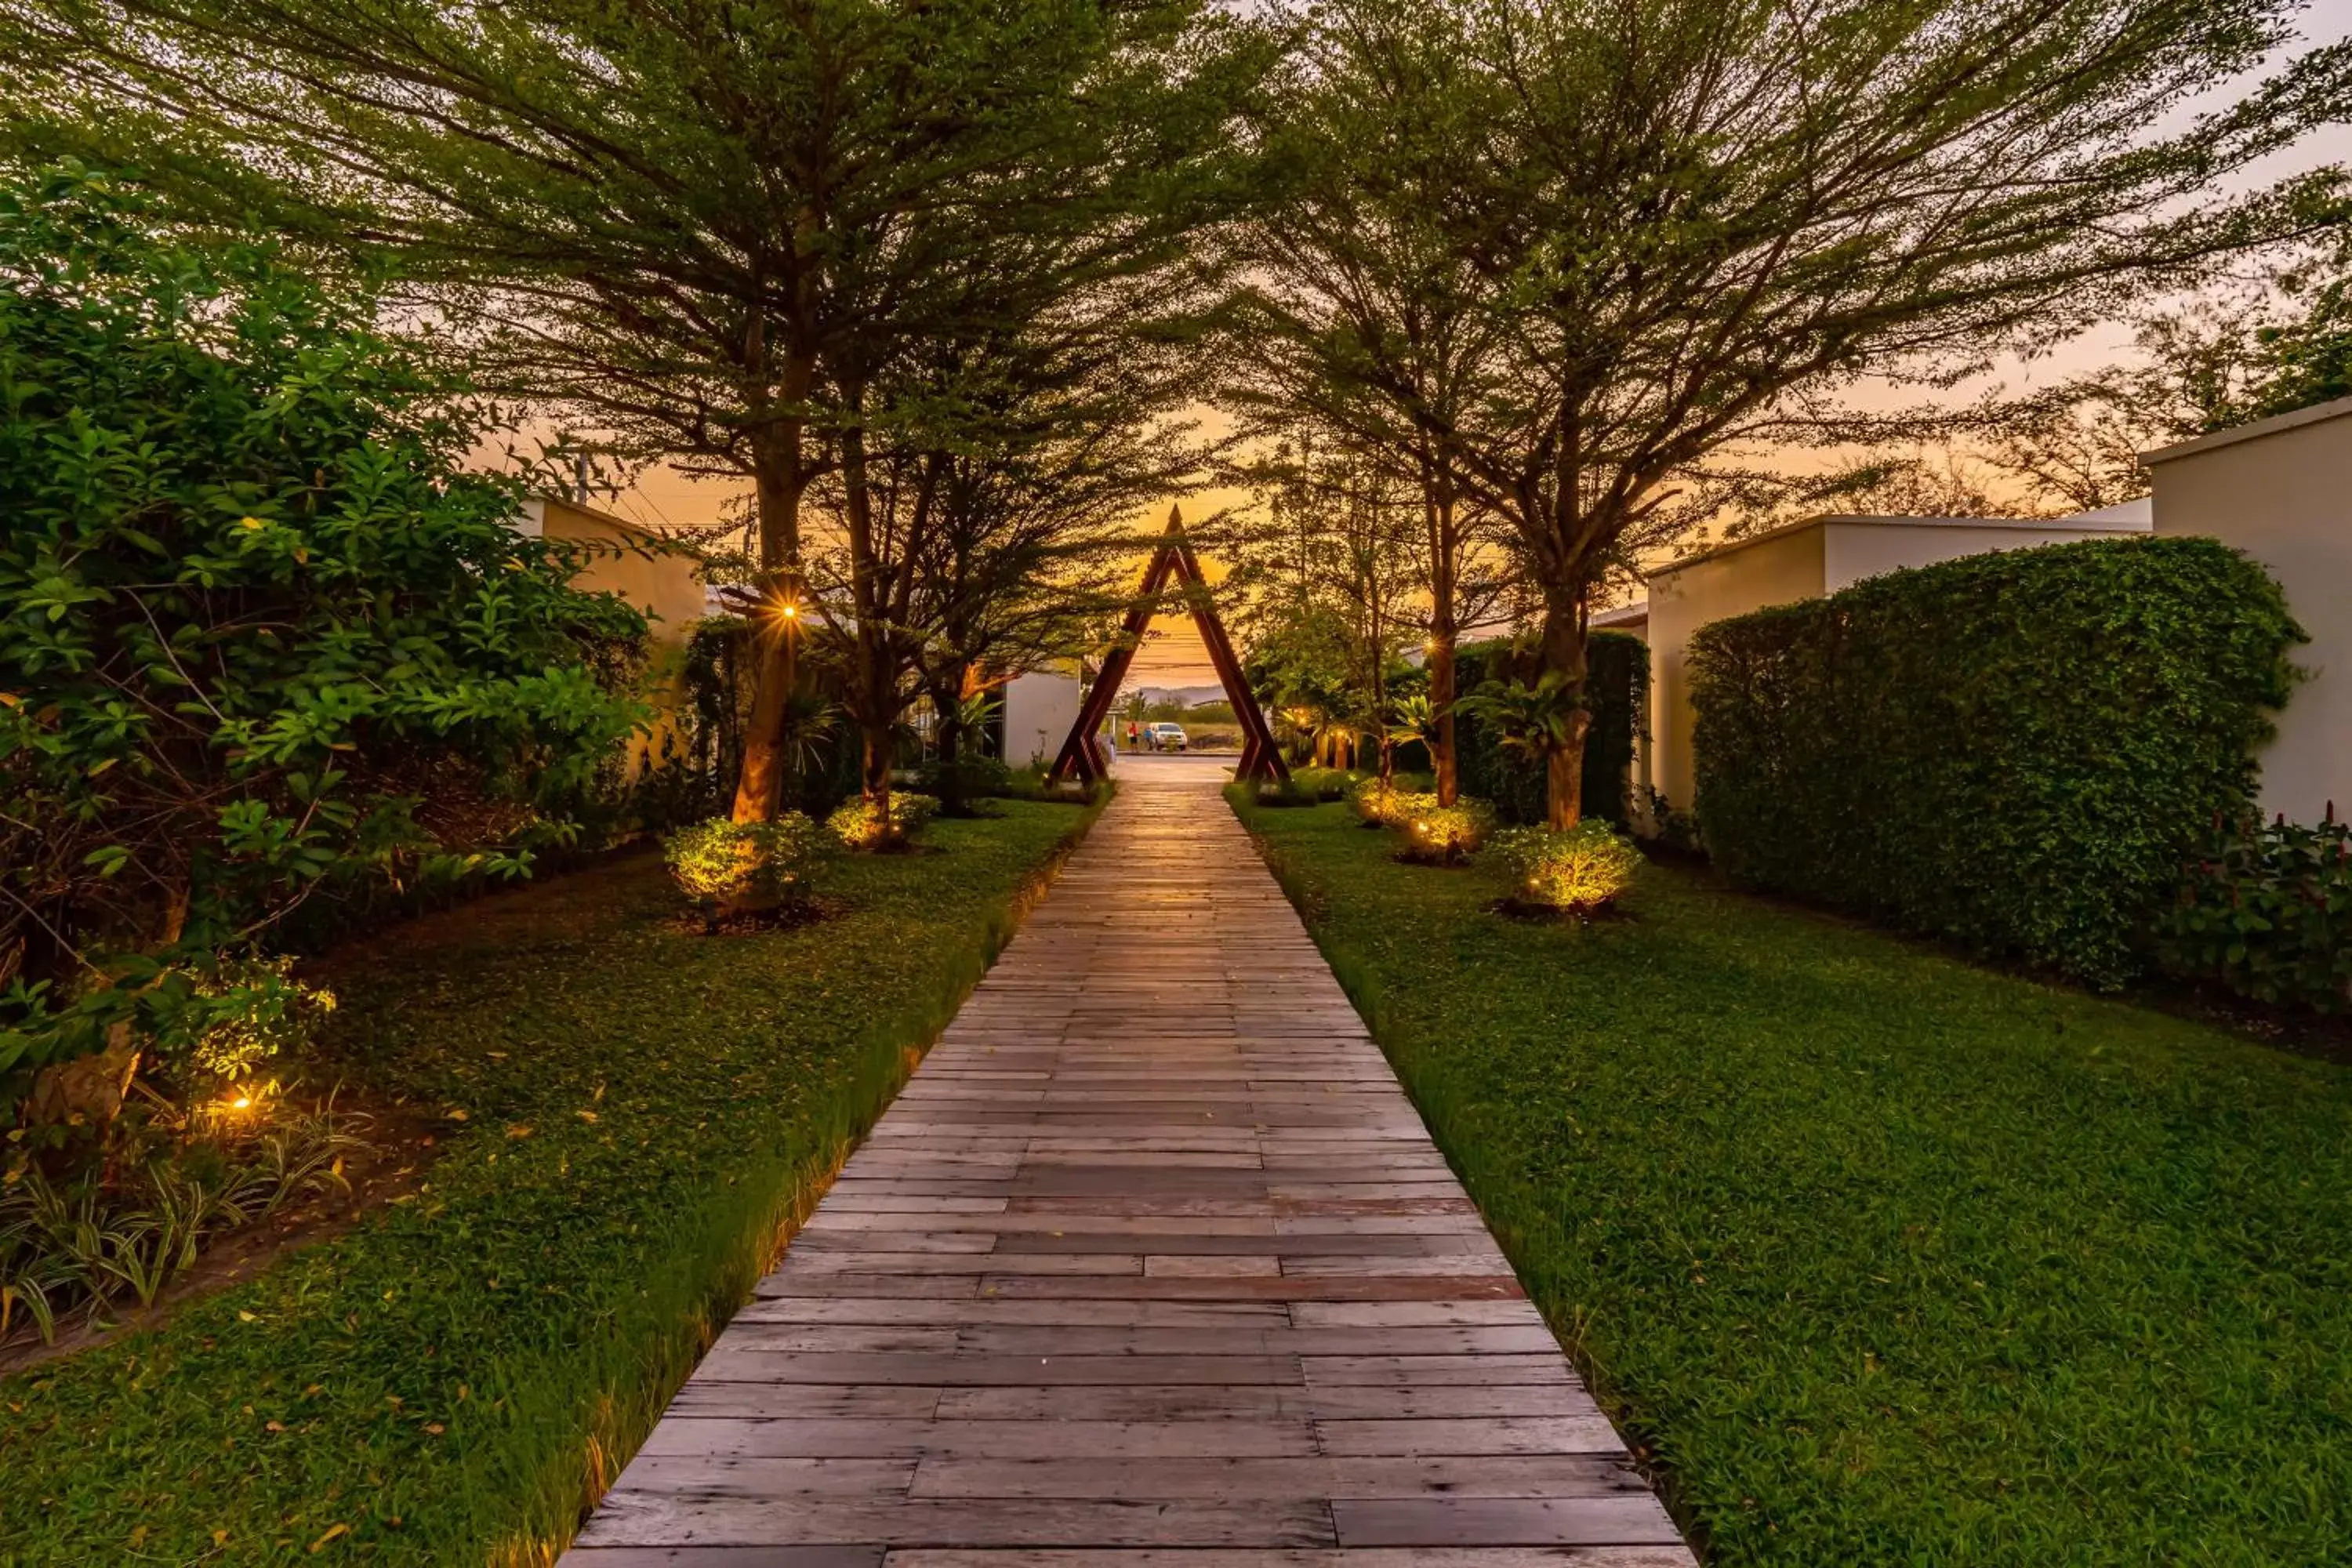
[1082, 756]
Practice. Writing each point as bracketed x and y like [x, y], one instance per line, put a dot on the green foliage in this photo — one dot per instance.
[446, 1374]
[2266, 910]
[1442, 834]
[741, 866]
[2017, 750]
[102, 1239]
[262, 636]
[1617, 695]
[861, 827]
[1323, 784]
[247, 1012]
[1284, 791]
[1882, 1258]
[1580, 868]
[1375, 801]
[972, 775]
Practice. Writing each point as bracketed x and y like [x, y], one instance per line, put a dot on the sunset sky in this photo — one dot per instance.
[664, 499]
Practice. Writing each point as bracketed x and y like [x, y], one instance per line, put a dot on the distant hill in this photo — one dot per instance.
[1189, 695]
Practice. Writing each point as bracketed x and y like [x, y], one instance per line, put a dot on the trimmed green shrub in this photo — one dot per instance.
[1323, 784]
[860, 826]
[1616, 690]
[1580, 868]
[744, 866]
[2017, 750]
[2266, 910]
[1288, 792]
[973, 775]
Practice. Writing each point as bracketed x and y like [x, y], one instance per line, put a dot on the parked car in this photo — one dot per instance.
[1167, 737]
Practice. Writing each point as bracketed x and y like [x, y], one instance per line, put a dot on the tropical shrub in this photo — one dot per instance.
[1323, 784]
[1377, 802]
[2265, 909]
[1286, 792]
[264, 638]
[1616, 696]
[859, 826]
[1580, 868]
[969, 775]
[2018, 750]
[1443, 834]
[741, 866]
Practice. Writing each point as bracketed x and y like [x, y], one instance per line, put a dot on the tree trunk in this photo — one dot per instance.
[876, 686]
[1441, 699]
[1444, 566]
[781, 475]
[874, 779]
[1564, 651]
[947, 701]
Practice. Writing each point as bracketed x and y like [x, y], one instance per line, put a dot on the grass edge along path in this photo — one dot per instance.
[1877, 1255]
[204, 1440]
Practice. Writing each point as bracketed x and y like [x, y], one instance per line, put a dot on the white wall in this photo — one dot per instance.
[1872, 548]
[1039, 709]
[2281, 490]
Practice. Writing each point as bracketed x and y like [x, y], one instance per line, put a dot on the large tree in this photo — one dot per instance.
[711, 226]
[1690, 220]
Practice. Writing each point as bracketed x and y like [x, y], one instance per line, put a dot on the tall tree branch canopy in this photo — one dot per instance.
[711, 227]
[1681, 219]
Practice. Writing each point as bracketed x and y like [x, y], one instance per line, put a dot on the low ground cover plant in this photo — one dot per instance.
[746, 867]
[1577, 870]
[1376, 802]
[1879, 1257]
[85, 1241]
[623, 1119]
[1438, 835]
[861, 825]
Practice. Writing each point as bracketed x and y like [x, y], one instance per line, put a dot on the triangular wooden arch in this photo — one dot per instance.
[1082, 756]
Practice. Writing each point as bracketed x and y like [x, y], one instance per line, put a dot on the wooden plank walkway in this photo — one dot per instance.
[1152, 1263]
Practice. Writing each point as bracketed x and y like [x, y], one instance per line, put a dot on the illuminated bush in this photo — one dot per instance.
[860, 826]
[744, 866]
[1443, 834]
[254, 1009]
[1375, 800]
[1580, 868]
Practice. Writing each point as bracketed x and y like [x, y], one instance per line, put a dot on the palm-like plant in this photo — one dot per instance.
[1532, 720]
[1412, 717]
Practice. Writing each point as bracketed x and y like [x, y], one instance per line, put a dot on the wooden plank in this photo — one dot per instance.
[1630, 1518]
[1151, 1265]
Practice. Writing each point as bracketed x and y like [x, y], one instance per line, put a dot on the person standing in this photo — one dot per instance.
[1132, 736]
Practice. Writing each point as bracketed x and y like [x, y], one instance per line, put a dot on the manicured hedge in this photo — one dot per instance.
[1617, 688]
[2016, 750]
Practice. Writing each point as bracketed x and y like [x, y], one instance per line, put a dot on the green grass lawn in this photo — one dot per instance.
[642, 1109]
[1883, 1259]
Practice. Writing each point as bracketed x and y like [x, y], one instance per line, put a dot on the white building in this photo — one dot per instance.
[1806, 561]
[2281, 490]
[1040, 706]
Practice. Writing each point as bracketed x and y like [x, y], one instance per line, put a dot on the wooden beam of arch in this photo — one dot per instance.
[1081, 756]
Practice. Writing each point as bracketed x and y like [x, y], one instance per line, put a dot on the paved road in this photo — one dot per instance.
[1153, 1264]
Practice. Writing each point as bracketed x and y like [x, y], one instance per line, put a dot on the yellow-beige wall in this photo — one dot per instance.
[2281, 490]
[661, 585]
[1778, 570]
